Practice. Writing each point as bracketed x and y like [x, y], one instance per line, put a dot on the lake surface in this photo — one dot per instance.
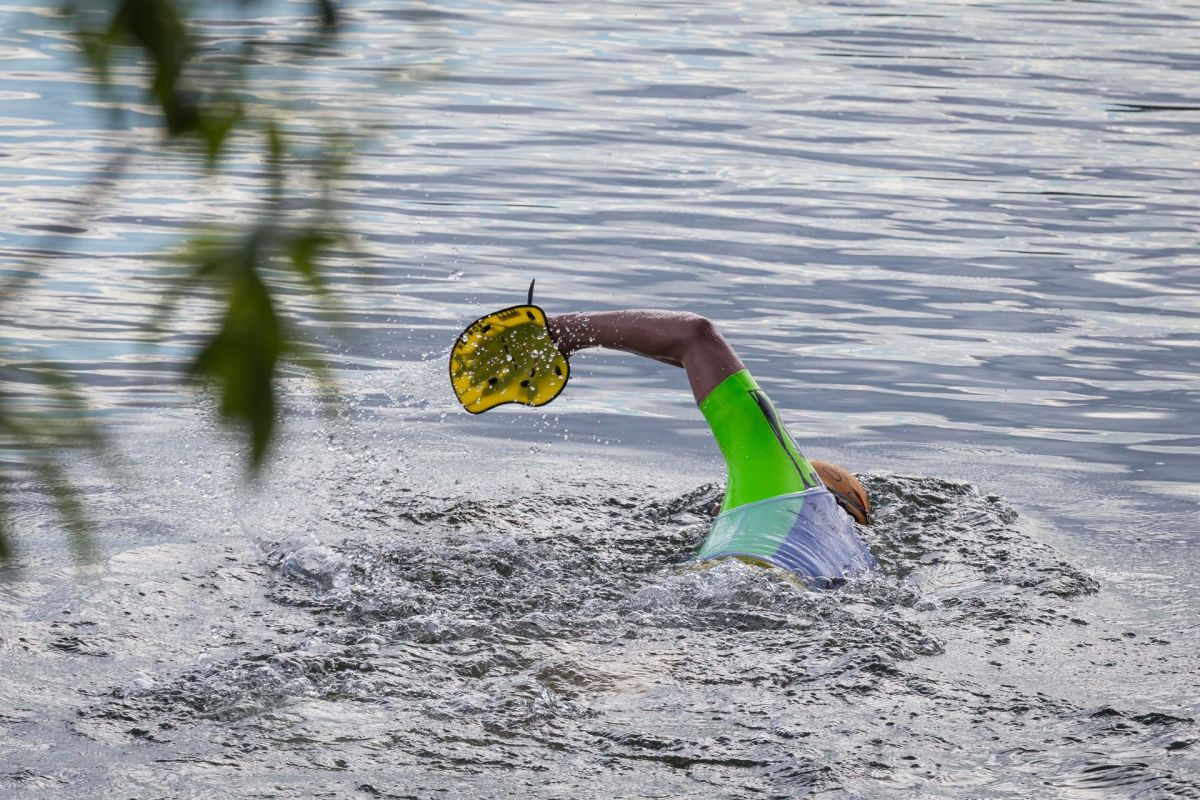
[956, 243]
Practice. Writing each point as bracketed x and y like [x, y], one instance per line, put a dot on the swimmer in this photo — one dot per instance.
[780, 508]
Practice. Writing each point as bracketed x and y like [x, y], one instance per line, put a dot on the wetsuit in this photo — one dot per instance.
[776, 510]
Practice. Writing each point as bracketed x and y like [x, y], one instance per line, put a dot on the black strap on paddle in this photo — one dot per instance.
[531, 283]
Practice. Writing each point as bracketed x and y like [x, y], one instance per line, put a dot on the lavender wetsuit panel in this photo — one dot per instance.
[806, 533]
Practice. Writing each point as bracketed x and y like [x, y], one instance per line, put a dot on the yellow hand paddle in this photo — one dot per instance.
[507, 357]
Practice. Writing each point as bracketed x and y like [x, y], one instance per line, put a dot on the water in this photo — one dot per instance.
[956, 243]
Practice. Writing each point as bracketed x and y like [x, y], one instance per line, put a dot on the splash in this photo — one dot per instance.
[469, 638]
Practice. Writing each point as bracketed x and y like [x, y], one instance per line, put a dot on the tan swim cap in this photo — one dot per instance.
[846, 488]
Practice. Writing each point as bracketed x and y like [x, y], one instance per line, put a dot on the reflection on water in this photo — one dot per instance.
[953, 240]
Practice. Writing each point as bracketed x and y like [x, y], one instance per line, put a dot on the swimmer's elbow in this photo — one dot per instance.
[705, 338]
[706, 330]
[702, 330]
[707, 345]
[683, 336]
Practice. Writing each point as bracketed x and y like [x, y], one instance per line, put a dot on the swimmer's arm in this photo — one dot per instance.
[673, 337]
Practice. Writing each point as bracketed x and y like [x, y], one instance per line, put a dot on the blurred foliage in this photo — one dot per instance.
[200, 104]
[34, 429]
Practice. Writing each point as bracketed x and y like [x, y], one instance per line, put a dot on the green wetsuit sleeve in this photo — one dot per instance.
[762, 458]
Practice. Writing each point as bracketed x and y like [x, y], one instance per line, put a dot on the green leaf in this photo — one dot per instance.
[328, 11]
[50, 417]
[303, 251]
[242, 357]
[6, 551]
[68, 506]
[214, 126]
[157, 27]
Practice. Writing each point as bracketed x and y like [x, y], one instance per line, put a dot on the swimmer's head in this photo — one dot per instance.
[846, 488]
